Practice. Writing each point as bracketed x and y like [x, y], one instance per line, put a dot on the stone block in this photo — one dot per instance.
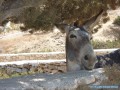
[65, 81]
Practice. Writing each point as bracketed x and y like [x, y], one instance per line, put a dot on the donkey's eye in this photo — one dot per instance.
[73, 36]
[86, 57]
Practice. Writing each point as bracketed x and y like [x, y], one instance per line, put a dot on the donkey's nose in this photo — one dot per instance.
[73, 36]
[86, 57]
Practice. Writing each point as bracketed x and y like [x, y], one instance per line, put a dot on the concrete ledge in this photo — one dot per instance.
[31, 62]
[66, 81]
[53, 53]
[42, 55]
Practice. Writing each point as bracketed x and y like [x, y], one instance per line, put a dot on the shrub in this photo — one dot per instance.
[105, 45]
[105, 19]
[113, 74]
[117, 21]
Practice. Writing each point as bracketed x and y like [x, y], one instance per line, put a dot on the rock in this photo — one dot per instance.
[62, 68]
[12, 70]
[47, 70]
[19, 66]
[56, 30]
[52, 67]
[54, 71]
[66, 81]
[27, 66]
[108, 31]
[9, 70]
[40, 70]
[34, 69]
[63, 64]
[24, 70]
[18, 70]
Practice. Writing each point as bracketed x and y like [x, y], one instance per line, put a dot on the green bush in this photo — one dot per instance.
[117, 21]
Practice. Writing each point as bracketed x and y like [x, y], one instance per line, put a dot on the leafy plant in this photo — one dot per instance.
[117, 21]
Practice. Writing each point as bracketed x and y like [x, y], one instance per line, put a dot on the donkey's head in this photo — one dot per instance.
[79, 51]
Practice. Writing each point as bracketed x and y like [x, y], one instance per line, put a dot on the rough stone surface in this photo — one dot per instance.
[108, 30]
[66, 81]
[51, 68]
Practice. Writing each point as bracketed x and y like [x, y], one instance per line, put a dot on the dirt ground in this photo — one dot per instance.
[37, 42]
[19, 42]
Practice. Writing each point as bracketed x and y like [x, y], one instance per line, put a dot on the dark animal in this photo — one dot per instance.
[108, 59]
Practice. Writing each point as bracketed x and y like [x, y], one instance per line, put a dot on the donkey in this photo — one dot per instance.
[79, 51]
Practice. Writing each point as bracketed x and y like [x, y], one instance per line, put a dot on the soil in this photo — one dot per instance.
[37, 42]
[52, 41]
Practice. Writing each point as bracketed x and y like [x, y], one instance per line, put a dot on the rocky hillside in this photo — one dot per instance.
[25, 13]
[44, 14]
[106, 30]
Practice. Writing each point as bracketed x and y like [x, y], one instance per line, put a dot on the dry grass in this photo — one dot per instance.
[113, 74]
[105, 45]
[40, 42]
[5, 74]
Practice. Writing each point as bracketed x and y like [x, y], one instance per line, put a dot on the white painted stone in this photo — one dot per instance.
[31, 62]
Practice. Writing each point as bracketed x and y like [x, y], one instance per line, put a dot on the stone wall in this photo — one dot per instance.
[10, 64]
[52, 68]
[58, 66]
[64, 81]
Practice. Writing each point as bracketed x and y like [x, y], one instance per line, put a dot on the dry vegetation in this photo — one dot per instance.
[117, 21]
[105, 45]
[113, 74]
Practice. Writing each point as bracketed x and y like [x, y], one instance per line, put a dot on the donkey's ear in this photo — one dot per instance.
[76, 23]
[90, 23]
[62, 27]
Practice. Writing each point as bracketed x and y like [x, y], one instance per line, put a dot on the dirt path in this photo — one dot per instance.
[38, 42]
[11, 35]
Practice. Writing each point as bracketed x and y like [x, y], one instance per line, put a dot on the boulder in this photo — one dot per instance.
[108, 31]
[65, 81]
